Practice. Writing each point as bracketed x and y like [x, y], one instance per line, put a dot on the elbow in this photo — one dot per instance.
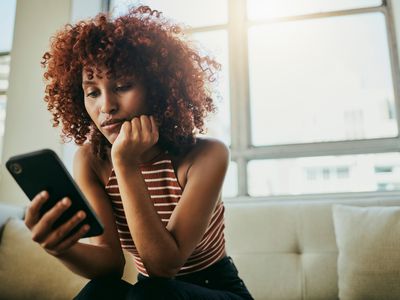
[163, 269]
[116, 270]
[120, 267]
[163, 272]
[119, 272]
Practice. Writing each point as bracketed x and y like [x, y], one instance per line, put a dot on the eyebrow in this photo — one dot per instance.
[88, 82]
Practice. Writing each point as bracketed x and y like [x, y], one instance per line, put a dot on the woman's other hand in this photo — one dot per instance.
[54, 241]
[135, 137]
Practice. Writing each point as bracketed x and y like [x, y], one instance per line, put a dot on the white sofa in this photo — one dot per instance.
[283, 250]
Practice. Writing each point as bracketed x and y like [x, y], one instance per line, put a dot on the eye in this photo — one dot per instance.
[92, 94]
[123, 87]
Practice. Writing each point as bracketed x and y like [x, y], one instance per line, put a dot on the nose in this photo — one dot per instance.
[109, 105]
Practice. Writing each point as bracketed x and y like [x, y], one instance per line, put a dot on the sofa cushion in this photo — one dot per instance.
[287, 250]
[28, 272]
[369, 252]
[8, 211]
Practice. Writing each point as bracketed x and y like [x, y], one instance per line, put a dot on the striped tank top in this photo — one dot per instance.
[165, 192]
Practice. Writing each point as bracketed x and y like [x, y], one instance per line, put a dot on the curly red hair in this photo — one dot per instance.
[176, 77]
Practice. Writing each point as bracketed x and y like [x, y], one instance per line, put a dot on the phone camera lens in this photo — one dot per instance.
[16, 168]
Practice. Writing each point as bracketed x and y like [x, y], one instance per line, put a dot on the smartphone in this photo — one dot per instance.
[43, 170]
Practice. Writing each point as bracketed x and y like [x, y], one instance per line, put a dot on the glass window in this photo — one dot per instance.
[192, 13]
[7, 16]
[4, 72]
[215, 44]
[265, 9]
[325, 174]
[316, 81]
[230, 188]
[2, 115]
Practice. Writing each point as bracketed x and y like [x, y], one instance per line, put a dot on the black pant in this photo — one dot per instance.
[219, 282]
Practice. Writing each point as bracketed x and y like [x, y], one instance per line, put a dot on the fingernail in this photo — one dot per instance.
[66, 201]
[43, 194]
[81, 214]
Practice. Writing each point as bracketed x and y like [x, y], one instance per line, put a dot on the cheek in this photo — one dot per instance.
[90, 109]
[135, 102]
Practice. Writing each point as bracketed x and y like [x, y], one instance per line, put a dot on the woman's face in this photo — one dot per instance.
[111, 101]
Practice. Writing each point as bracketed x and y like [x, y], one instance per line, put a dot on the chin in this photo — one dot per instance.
[110, 137]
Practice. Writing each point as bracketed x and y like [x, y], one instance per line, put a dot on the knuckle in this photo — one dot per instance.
[60, 233]
[46, 221]
[35, 237]
[82, 231]
[147, 139]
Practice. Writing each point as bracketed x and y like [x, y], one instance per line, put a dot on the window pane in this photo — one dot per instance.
[230, 187]
[321, 80]
[265, 9]
[4, 72]
[2, 120]
[7, 16]
[327, 174]
[192, 13]
[216, 42]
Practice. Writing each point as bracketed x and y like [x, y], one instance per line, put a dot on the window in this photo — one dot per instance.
[7, 15]
[310, 104]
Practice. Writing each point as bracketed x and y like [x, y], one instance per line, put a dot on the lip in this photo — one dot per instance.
[112, 124]
[111, 121]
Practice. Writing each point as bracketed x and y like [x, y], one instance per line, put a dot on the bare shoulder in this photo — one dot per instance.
[85, 162]
[210, 146]
[208, 151]
[83, 157]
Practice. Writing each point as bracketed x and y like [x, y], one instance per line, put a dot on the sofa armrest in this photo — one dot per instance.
[8, 211]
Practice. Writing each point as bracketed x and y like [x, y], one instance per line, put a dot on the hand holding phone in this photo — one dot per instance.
[60, 215]
[54, 240]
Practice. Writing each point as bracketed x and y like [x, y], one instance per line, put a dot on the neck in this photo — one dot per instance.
[150, 154]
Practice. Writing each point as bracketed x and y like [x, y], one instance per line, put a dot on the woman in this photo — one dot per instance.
[133, 94]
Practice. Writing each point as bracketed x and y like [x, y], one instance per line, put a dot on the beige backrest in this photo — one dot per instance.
[286, 250]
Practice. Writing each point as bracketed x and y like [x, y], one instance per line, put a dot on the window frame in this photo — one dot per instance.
[239, 89]
[7, 53]
[3, 92]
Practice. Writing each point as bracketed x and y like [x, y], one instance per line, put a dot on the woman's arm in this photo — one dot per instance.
[104, 256]
[165, 249]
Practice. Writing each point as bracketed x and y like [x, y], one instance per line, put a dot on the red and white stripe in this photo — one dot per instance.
[165, 192]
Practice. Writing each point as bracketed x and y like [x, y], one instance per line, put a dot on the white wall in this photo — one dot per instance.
[28, 123]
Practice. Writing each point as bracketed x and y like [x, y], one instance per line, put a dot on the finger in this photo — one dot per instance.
[44, 226]
[126, 128]
[154, 129]
[146, 123]
[154, 124]
[136, 126]
[32, 215]
[61, 232]
[67, 243]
